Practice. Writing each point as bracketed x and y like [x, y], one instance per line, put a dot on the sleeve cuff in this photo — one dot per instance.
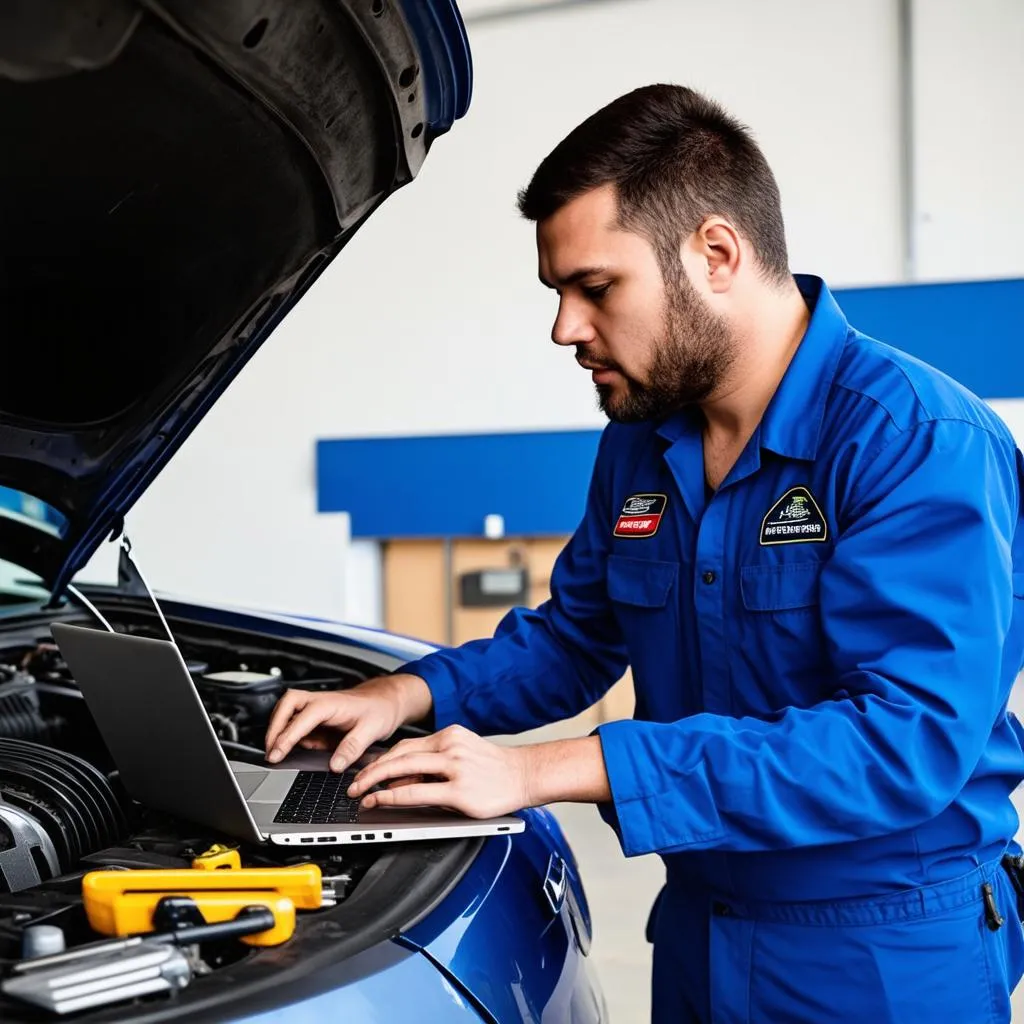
[607, 809]
[646, 818]
[444, 692]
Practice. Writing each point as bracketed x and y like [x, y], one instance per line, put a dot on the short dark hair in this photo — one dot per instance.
[675, 157]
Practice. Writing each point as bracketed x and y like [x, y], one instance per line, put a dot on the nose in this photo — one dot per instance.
[572, 326]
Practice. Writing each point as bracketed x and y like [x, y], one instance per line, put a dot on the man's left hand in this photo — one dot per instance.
[472, 775]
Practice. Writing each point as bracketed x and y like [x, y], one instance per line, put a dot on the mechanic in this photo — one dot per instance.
[806, 546]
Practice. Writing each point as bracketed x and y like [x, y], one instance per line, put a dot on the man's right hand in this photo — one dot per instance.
[365, 714]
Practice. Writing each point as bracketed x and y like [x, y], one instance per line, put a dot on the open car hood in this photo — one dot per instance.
[173, 176]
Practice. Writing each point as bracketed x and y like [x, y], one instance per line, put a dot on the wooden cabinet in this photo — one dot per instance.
[421, 599]
[415, 592]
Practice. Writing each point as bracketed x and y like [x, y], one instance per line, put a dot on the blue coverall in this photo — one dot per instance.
[822, 652]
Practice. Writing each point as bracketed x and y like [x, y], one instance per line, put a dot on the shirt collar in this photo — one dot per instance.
[791, 424]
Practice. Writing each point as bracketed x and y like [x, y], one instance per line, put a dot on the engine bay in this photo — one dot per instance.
[64, 814]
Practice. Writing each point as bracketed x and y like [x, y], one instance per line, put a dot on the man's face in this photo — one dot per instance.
[652, 347]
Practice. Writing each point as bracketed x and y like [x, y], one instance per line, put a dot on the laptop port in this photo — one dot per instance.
[323, 839]
[387, 835]
[306, 839]
[356, 837]
[370, 835]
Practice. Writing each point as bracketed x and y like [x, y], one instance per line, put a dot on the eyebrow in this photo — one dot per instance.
[574, 277]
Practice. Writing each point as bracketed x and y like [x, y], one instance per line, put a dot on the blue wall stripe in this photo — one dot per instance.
[974, 331]
[445, 486]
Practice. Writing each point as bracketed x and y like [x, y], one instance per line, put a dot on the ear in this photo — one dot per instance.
[718, 244]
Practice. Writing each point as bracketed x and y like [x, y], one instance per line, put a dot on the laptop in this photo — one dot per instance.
[149, 713]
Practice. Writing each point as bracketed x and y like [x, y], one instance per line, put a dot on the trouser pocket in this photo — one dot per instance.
[931, 969]
[928, 955]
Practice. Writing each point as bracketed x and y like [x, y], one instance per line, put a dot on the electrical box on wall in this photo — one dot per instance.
[490, 588]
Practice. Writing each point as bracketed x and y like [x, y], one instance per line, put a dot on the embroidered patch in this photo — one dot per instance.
[641, 515]
[795, 518]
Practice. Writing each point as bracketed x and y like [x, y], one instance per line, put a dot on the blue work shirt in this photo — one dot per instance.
[822, 651]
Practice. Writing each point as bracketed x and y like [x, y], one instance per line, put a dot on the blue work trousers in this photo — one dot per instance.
[923, 955]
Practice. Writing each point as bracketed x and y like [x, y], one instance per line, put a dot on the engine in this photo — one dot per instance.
[63, 811]
[239, 686]
[21, 716]
[55, 809]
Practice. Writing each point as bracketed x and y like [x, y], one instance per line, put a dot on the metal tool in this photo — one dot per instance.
[128, 913]
[100, 977]
[301, 883]
[247, 922]
[220, 858]
[331, 883]
[115, 970]
[125, 902]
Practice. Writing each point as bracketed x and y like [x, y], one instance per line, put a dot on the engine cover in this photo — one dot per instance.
[27, 855]
[50, 793]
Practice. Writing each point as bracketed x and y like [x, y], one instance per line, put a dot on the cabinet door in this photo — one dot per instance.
[421, 599]
[414, 590]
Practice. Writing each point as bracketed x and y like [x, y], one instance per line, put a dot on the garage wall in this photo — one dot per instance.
[444, 276]
[969, 138]
[968, 145]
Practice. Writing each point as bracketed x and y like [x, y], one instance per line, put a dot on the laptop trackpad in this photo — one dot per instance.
[248, 780]
[273, 787]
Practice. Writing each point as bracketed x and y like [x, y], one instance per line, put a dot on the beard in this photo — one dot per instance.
[691, 359]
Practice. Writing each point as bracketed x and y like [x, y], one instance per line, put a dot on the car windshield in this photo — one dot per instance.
[18, 586]
[31, 510]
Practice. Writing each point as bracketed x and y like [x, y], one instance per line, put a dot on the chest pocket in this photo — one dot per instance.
[779, 651]
[640, 582]
[645, 598]
[777, 588]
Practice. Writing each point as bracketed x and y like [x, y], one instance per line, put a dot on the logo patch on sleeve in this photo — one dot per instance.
[641, 515]
[795, 518]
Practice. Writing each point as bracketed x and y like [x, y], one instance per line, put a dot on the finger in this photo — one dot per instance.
[292, 701]
[411, 743]
[412, 780]
[425, 745]
[420, 745]
[298, 728]
[397, 768]
[353, 746]
[423, 794]
[414, 744]
[288, 705]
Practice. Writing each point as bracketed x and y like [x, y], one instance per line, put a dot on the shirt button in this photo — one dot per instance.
[709, 577]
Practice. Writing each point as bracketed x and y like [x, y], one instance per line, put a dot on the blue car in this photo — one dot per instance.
[174, 177]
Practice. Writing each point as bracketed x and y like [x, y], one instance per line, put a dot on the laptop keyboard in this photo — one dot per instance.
[319, 798]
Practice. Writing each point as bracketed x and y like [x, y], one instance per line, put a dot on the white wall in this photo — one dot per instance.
[445, 274]
[969, 138]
